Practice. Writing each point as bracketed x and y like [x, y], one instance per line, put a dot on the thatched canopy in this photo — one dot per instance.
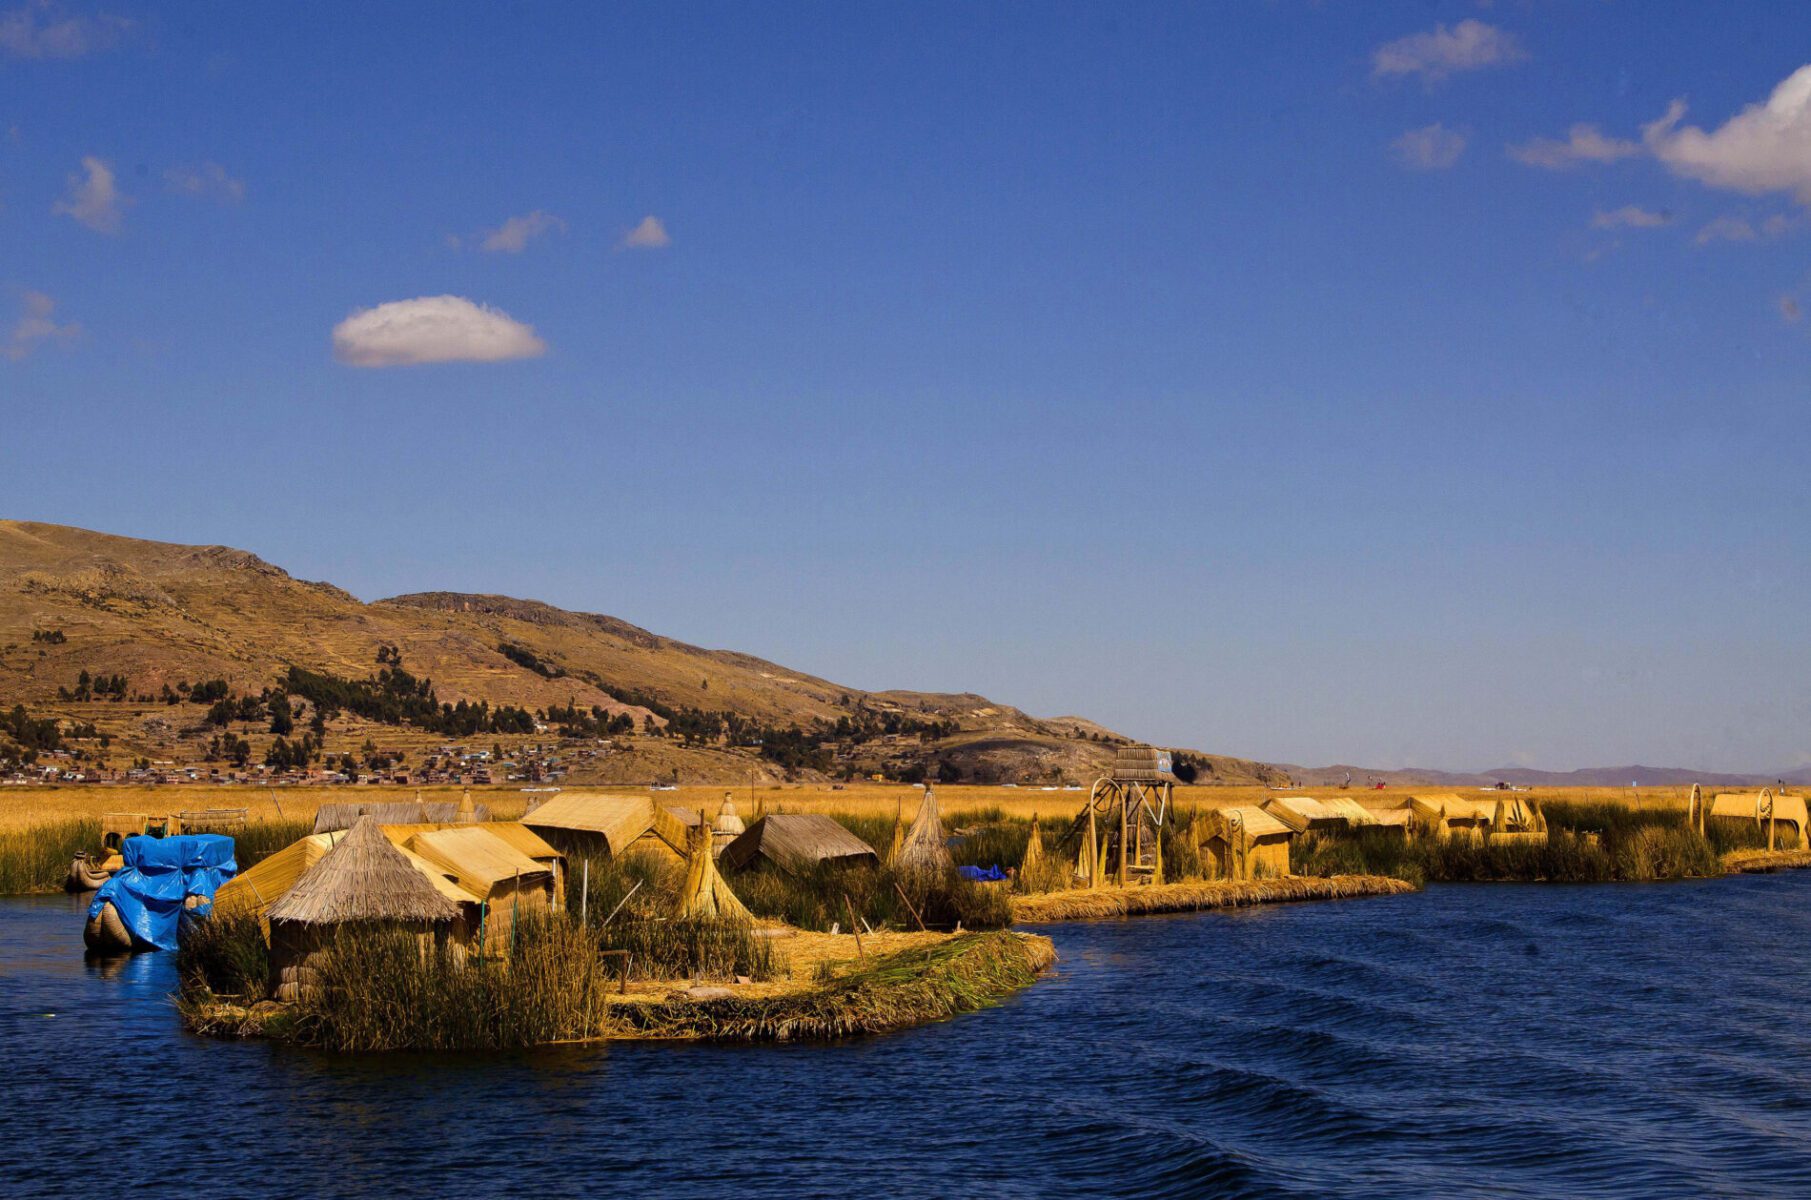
[1142, 764]
[331, 818]
[475, 859]
[1303, 812]
[618, 819]
[796, 842]
[1256, 822]
[363, 878]
[925, 847]
[256, 889]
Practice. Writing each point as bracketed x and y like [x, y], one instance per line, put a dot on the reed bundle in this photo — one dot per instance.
[1193, 897]
[1752, 862]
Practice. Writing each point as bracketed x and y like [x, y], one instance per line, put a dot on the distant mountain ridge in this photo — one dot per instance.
[1533, 777]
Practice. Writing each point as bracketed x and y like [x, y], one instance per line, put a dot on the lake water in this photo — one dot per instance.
[1627, 1041]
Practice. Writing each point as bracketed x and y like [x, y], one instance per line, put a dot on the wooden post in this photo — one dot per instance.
[909, 908]
[585, 899]
[854, 925]
[1122, 839]
[1093, 848]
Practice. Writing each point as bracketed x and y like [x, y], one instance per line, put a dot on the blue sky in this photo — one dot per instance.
[1389, 384]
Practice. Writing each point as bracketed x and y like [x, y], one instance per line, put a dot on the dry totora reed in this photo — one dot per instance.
[1084, 905]
[893, 991]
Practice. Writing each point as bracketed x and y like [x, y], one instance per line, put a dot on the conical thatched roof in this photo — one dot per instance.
[706, 893]
[364, 878]
[728, 820]
[924, 848]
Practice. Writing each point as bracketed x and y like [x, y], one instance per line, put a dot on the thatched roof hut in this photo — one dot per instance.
[331, 818]
[1304, 813]
[796, 843]
[1786, 814]
[255, 890]
[1142, 764]
[362, 880]
[605, 823]
[1244, 842]
[926, 847]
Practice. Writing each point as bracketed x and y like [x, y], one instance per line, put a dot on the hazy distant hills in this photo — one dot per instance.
[161, 614]
[1530, 777]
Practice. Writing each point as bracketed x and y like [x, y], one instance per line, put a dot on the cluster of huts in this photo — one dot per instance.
[1247, 841]
[454, 878]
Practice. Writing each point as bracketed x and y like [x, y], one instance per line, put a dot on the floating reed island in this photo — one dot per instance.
[601, 916]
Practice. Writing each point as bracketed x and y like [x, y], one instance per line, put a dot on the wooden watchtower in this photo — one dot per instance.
[1121, 842]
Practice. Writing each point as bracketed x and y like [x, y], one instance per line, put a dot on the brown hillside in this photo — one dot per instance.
[161, 614]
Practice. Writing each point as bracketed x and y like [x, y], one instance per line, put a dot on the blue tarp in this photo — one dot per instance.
[158, 874]
[991, 874]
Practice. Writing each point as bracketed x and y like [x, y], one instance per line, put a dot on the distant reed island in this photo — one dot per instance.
[453, 922]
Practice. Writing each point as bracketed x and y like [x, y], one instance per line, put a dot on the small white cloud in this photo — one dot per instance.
[35, 327]
[1467, 46]
[1583, 144]
[1430, 148]
[94, 198]
[209, 179]
[1727, 229]
[1763, 148]
[1789, 310]
[515, 234]
[39, 30]
[649, 235]
[432, 329]
[1630, 216]
[1744, 229]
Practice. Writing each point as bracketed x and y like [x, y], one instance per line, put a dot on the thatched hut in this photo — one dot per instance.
[1782, 817]
[1244, 842]
[1305, 814]
[1448, 814]
[333, 818]
[608, 825]
[363, 881]
[504, 884]
[796, 843]
[255, 890]
[925, 847]
[728, 826]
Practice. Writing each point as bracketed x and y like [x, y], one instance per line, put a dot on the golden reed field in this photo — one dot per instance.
[25, 806]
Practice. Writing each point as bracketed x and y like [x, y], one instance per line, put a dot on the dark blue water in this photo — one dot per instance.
[1628, 1041]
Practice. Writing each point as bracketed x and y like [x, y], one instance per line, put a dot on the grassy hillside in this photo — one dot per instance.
[117, 633]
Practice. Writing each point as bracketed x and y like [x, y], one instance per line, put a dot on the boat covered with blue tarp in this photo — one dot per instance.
[160, 881]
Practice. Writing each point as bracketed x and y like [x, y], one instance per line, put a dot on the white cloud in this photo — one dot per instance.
[1467, 46]
[39, 30]
[649, 235]
[1763, 148]
[1743, 229]
[94, 198]
[1630, 216]
[209, 179]
[432, 329]
[35, 327]
[515, 234]
[1583, 144]
[1430, 148]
